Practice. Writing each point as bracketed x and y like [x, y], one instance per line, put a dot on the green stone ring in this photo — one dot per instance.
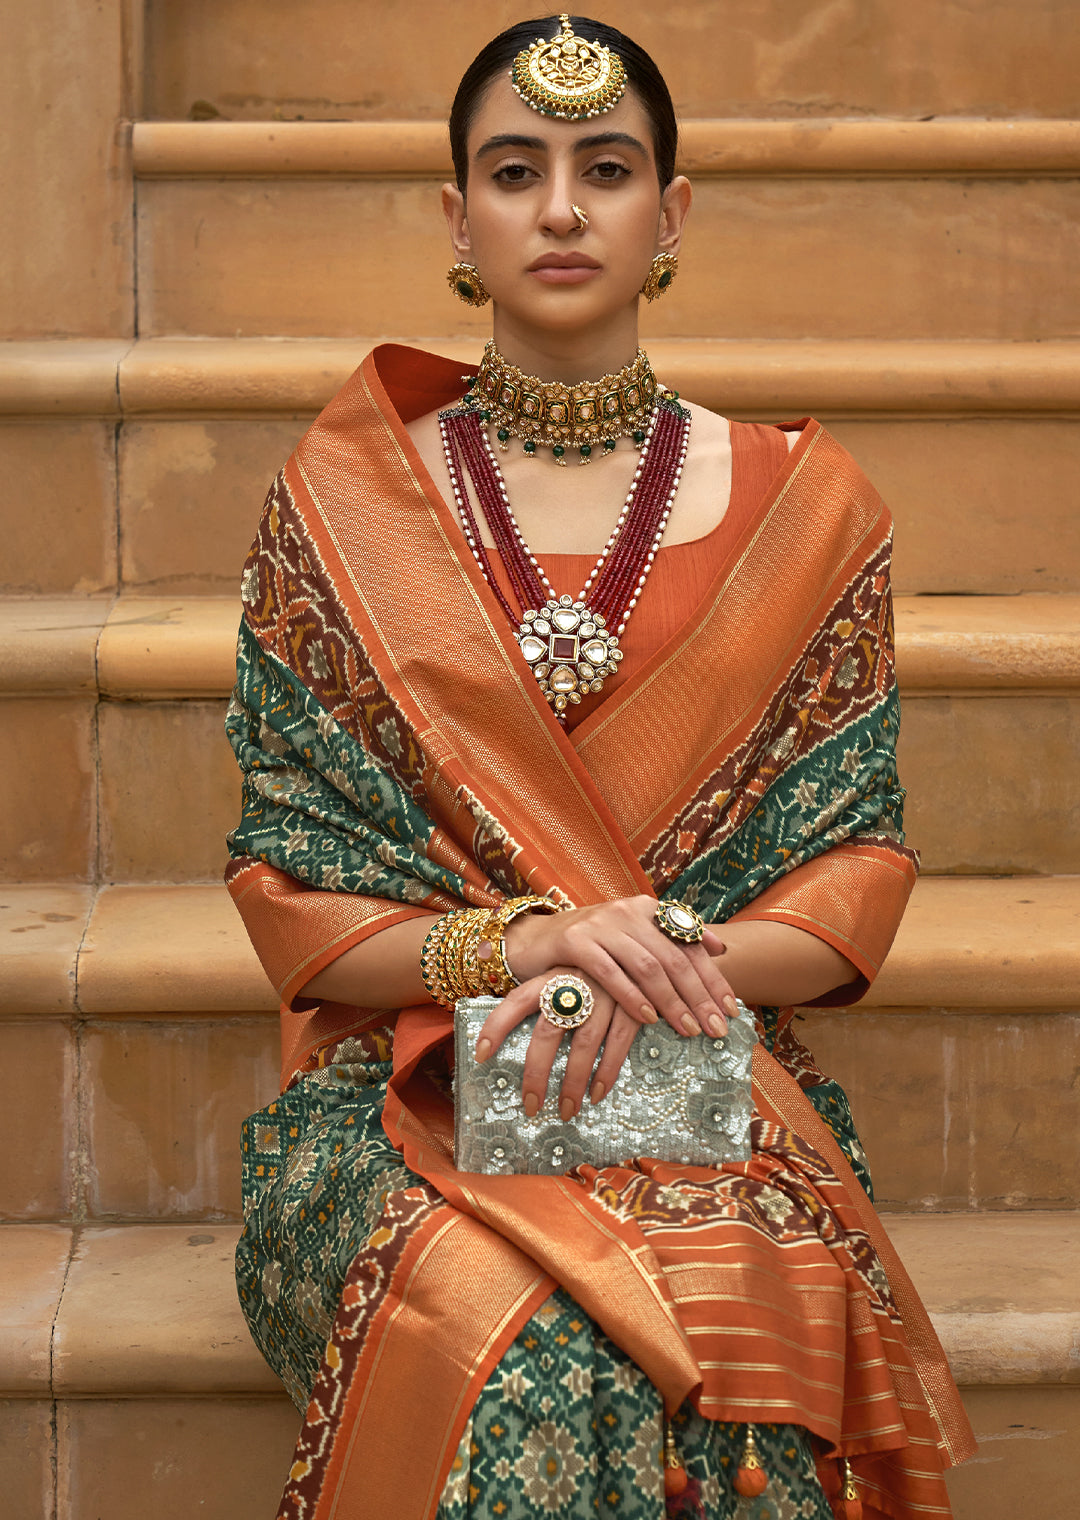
[679, 921]
[566, 1001]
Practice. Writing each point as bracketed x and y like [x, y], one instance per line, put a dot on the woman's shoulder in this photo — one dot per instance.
[713, 426]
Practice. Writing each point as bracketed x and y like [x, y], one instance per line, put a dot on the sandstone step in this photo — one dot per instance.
[961, 438]
[720, 146]
[978, 675]
[930, 59]
[148, 1316]
[813, 257]
[150, 1029]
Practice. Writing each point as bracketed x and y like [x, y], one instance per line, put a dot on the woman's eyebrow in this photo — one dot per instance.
[509, 140]
[610, 140]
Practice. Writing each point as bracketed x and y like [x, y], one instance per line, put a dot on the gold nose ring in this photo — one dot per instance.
[583, 220]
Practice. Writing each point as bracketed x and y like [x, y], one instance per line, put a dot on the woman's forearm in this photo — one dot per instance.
[776, 964]
[382, 972]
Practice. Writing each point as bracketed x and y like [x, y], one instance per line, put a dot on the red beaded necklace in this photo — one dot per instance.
[568, 642]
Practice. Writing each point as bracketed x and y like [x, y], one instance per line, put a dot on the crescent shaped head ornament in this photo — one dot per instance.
[567, 77]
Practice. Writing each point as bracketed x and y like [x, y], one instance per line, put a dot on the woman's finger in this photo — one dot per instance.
[585, 1046]
[539, 1059]
[621, 1034]
[673, 985]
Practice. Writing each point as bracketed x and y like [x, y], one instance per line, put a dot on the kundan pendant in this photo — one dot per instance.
[569, 649]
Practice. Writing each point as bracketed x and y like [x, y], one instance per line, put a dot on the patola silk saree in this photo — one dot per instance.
[507, 1346]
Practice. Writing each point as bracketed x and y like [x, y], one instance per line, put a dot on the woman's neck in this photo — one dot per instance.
[567, 356]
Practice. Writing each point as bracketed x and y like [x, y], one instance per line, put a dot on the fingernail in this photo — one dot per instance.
[567, 1108]
[649, 1013]
[730, 1007]
[532, 1105]
[483, 1049]
[690, 1024]
[717, 1026]
[597, 1091]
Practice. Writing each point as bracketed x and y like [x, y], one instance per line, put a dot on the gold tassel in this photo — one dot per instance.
[751, 1479]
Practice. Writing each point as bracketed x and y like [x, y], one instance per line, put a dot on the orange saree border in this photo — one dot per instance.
[789, 1102]
[489, 1306]
[823, 503]
[852, 897]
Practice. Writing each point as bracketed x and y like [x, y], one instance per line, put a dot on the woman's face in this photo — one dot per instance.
[526, 171]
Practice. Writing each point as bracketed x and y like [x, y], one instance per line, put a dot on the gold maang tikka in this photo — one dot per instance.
[567, 77]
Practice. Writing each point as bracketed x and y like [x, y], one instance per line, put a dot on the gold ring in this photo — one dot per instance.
[566, 1001]
[679, 921]
[583, 220]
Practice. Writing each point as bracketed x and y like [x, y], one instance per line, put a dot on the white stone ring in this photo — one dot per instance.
[566, 1001]
[679, 921]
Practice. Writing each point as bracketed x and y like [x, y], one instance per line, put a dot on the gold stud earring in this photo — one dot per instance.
[662, 271]
[464, 280]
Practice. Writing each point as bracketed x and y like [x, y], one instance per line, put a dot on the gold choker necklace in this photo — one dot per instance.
[593, 414]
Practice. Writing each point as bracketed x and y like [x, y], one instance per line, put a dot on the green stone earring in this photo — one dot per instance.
[464, 280]
[662, 271]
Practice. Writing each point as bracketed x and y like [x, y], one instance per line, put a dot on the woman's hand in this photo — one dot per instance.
[637, 974]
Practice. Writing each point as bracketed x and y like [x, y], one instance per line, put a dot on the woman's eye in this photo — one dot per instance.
[512, 174]
[609, 170]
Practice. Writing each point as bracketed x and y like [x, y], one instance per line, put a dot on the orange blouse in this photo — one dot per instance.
[681, 573]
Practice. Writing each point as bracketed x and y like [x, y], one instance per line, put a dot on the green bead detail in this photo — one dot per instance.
[485, 416]
[466, 290]
[585, 450]
[503, 434]
[638, 436]
[664, 281]
[609, 444]
[558, 450]
[529, 446]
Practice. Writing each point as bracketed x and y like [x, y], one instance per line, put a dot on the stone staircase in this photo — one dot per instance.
[884, 234]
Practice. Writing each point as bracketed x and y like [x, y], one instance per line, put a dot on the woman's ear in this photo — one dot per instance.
[453, 204]
[674, 209]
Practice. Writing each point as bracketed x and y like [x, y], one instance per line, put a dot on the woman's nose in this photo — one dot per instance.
[558, 214]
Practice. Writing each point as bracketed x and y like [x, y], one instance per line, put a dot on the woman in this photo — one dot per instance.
[434, 743]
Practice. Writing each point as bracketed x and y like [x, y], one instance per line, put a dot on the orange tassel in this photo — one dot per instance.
[849, 1505]
[675, 1479]
[751, 1479]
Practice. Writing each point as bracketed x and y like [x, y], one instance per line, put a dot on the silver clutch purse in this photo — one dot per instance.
[677, 1098]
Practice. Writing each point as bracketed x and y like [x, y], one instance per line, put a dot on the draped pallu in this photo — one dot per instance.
[399, 759]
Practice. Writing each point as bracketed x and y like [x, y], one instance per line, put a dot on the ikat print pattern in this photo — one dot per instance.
[337, 789]
[818, 768]
[568, 1426]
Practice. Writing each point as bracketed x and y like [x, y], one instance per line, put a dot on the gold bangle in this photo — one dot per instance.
[494, 968]
[431, 963]
[456, 951]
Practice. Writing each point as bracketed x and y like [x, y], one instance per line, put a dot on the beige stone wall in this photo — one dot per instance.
[328, 59]
[68, 74]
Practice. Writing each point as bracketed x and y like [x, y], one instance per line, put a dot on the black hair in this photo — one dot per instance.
[642, 75]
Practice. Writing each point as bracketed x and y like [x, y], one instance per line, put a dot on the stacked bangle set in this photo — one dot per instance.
[464, 954]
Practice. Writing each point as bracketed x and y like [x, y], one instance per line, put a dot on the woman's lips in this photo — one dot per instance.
[563, 274]
[564, 269]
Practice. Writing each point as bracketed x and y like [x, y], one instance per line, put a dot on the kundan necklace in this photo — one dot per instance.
[571, 644]
[591, 415]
